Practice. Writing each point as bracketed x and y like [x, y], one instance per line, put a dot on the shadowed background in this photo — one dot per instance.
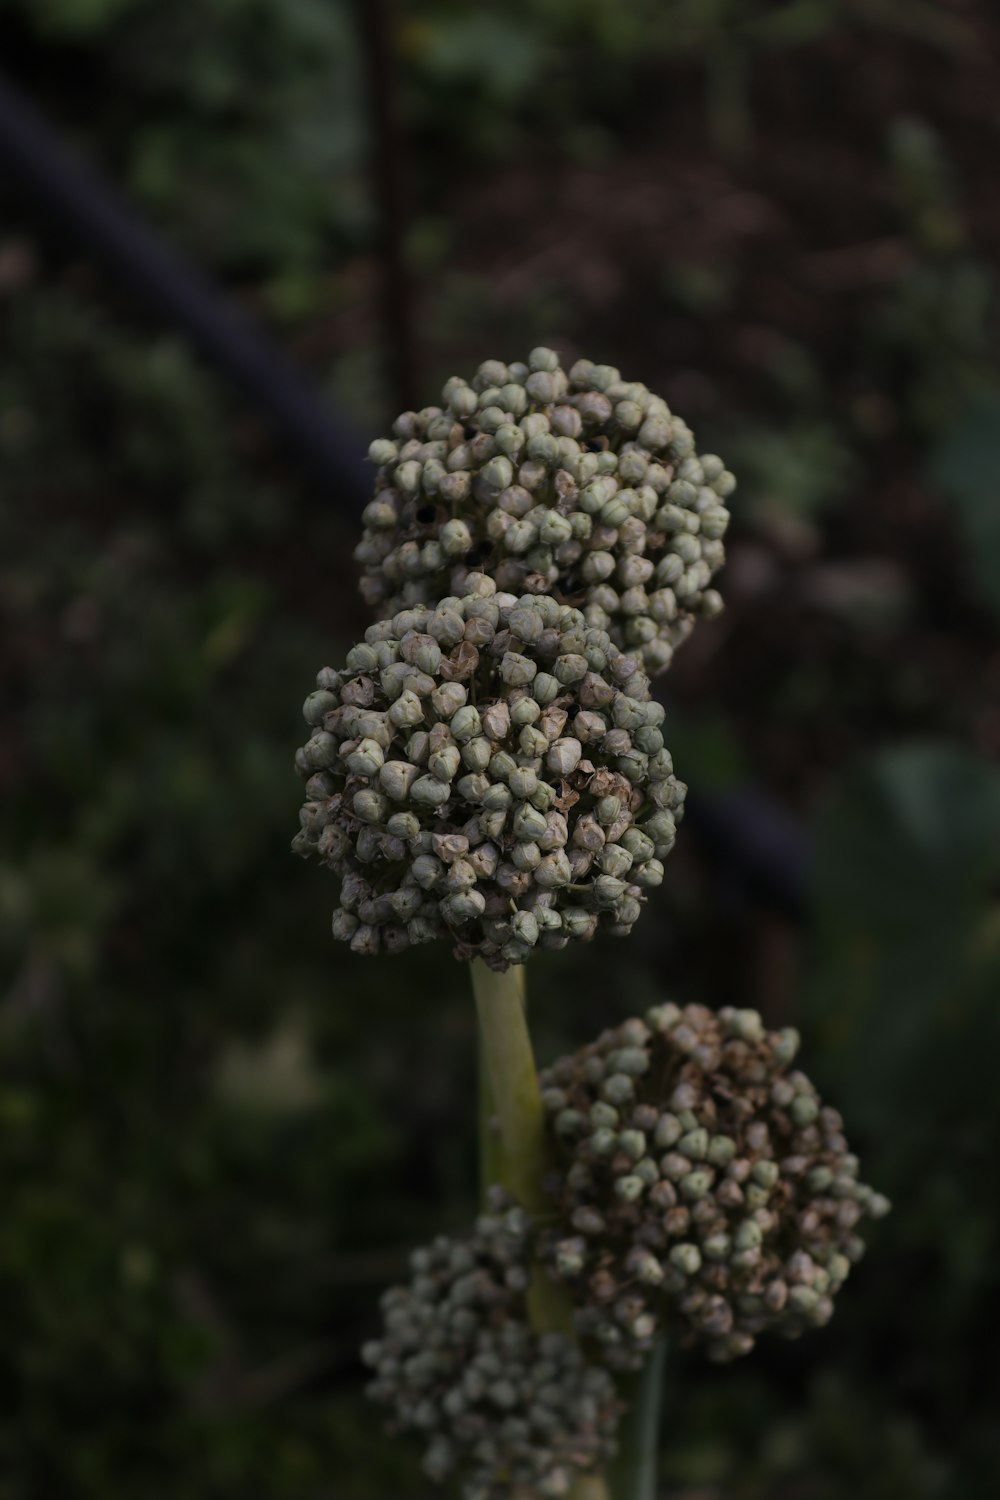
[220, 1133]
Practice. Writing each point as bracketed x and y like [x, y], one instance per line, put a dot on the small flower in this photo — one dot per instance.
[696, 1161]
[449, 787]
[575, 484]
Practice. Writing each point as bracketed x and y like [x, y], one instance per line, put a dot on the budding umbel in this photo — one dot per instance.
[576, 483]
[514, 1412]
[490, 769]
[702, 1185]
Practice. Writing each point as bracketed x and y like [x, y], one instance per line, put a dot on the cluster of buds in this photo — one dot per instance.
[491, 769]
[702, 1185]
[517, 1413]
[575, 484]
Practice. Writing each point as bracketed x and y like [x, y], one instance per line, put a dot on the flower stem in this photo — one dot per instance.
[633, 1472]
[508, 1088]
[491, 1162]
[511, 1082]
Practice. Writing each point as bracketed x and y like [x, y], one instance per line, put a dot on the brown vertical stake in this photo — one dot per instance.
[386, 146]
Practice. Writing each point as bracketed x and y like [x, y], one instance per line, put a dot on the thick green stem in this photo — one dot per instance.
[508, 1089]
[505, 1047]
[633, 1473]
[491, 1159]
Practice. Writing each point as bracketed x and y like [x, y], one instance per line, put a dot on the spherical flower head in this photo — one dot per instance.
[510, 1411]
[702, 1184]
[576, 484]
[489, 769]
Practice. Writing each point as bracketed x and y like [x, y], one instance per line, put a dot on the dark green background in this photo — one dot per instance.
[219, 1133]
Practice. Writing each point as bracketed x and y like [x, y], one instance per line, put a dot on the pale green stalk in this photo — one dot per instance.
[513, 1082]
[632, 1474]
[509, 1088]
[491, 1162]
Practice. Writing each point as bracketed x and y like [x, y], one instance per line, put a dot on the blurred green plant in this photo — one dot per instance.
[211, 1160]
[965, 469]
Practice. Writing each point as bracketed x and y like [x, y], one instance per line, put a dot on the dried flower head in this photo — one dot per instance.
[489, 769]
[511, 1411]
[580, 485]
[702, 1183]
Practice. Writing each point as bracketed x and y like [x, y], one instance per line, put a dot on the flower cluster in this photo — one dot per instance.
[516, 1412]
[576, 484]
[702, 1182]
[489, 768]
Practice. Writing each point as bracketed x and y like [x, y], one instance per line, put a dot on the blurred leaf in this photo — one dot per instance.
[803, 468]
[907, 863]
[965, 469]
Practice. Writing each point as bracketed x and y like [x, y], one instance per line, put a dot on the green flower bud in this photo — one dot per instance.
[428, 791]
[317, 705]
[570, 668]
[685, 1258]
[631, 1060]
[523, 781]
[629, 1189]
[542, 358]
[695, 1184]
[668, 1132]
[320, 751]
[748, 1235]
[804, 1110]
[528, 824]
[545, 688]
[526, 856]
[786, 1044]
[603, 1142]
[383, 452]
[366, 760]
[517, 670]
[633, 1144]
[607, 891]
[370, 807]
[579, 924]
[497, 799]
[694, 1144]
[569, 1122]
[765, 1173]
[618, 1089]
[553, 871]
[455, 538]
[345, 925]
[462, 906]
[614, 860]
[608, 810]
[396, 778]
[525, 927]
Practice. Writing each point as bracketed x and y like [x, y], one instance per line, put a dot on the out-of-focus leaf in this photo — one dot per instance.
[907, 859]
[965, 468]
[803, 469]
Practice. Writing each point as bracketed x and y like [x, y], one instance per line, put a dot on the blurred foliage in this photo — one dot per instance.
[218, 1133]
[965, 467]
